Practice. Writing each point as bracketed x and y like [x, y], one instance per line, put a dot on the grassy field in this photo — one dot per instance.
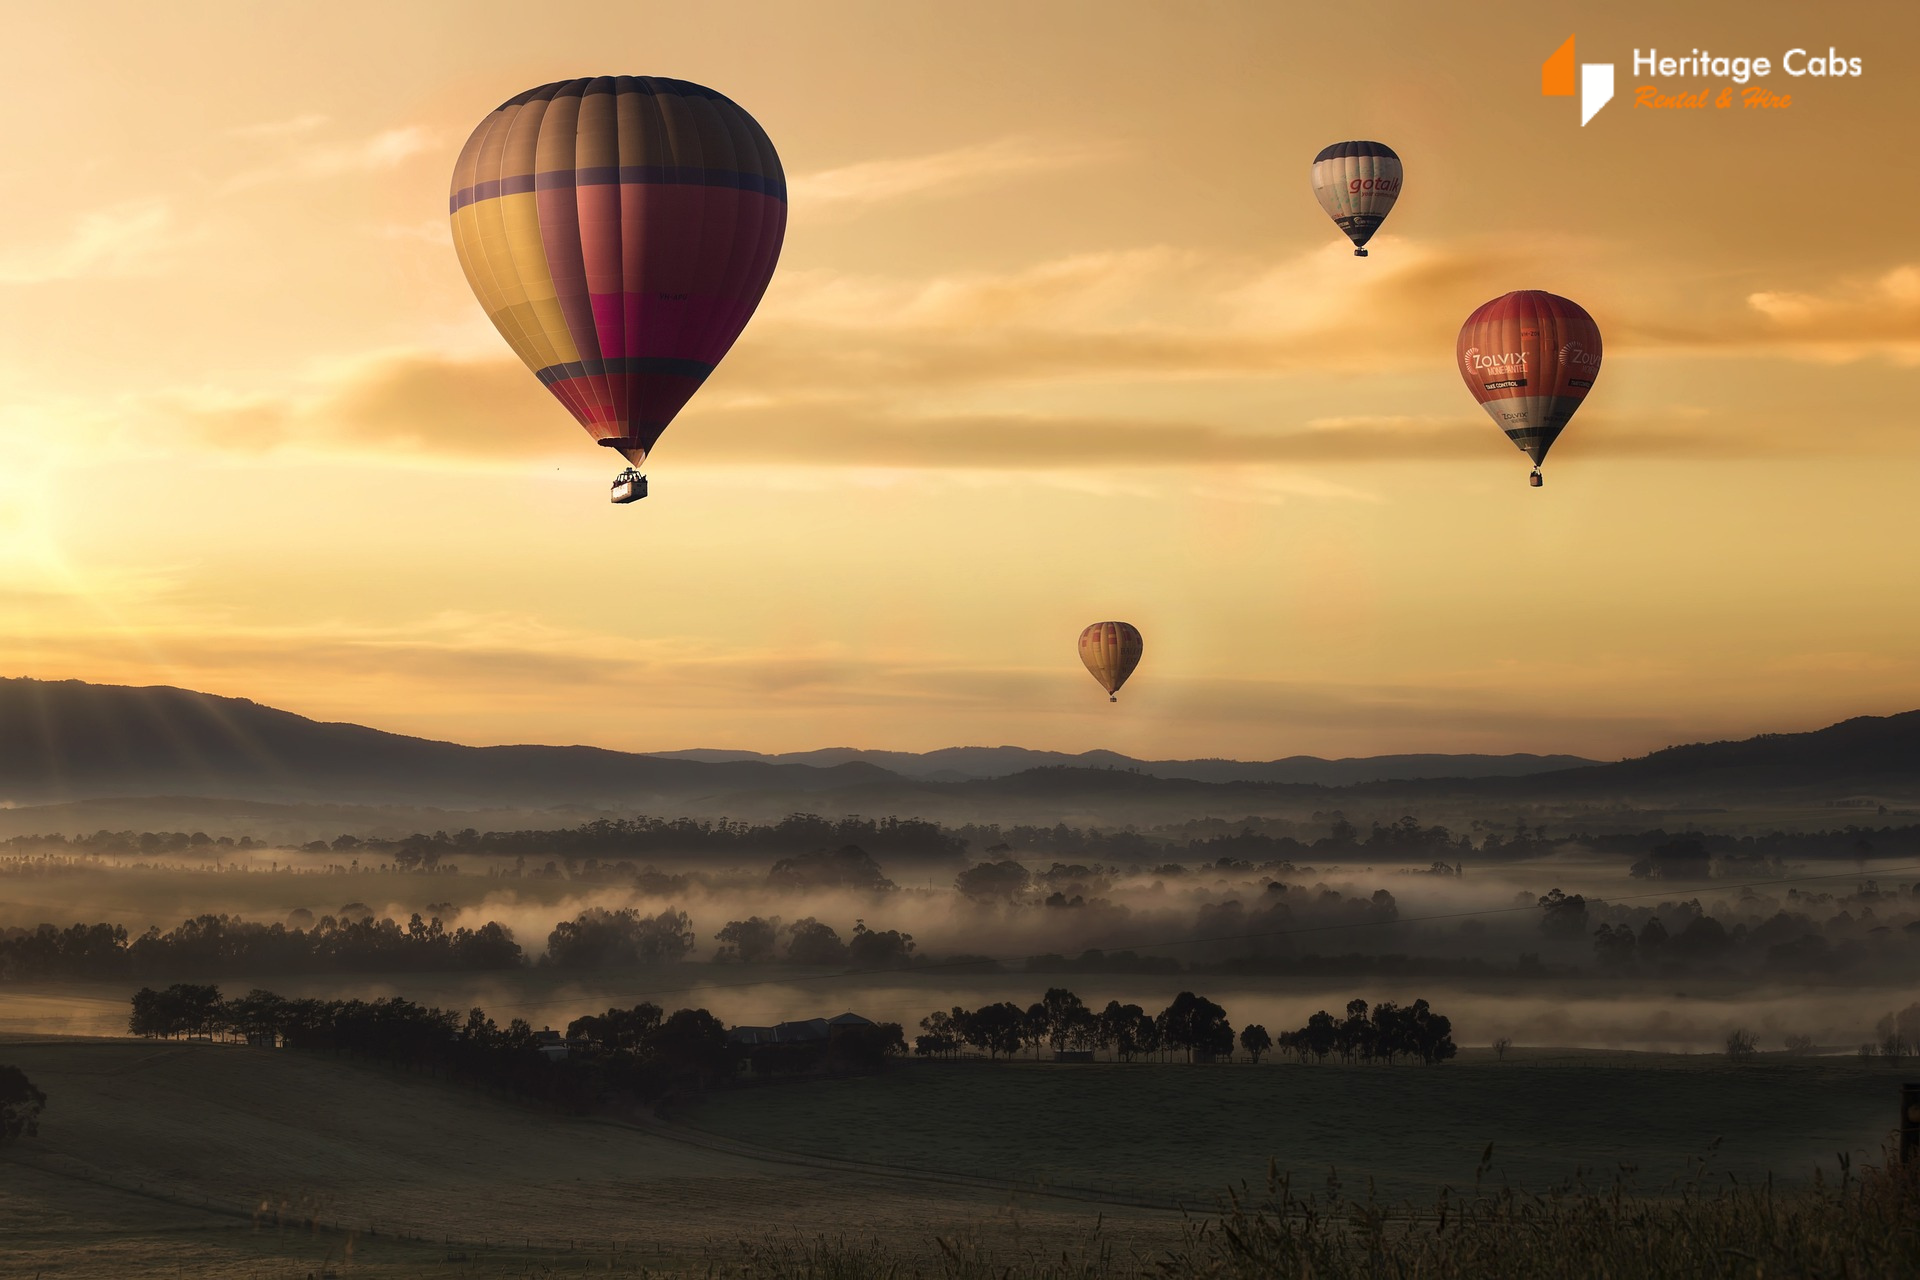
[206, 1160]
[1177, 1134]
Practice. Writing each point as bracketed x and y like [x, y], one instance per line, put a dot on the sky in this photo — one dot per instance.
[1058, 335]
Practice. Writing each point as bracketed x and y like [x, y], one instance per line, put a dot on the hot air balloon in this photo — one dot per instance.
[1357, 183]
[1111, 651]
[619, 232]
[1530, 357]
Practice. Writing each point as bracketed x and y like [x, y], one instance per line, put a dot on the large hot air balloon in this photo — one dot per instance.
[1530, 357]
[1111, 651]
[1357, 183]
[619, 232]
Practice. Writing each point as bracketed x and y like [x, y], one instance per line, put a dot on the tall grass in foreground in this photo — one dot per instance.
[1865, 1225]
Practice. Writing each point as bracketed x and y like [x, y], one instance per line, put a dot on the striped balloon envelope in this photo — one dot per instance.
[1529, 358]
[619, 232]
[1111, 651]
[1357, 183]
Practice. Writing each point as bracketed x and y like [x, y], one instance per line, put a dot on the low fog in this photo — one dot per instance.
[1564, 946]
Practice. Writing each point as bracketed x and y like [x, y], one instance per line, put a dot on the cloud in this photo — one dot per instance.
[1067, 364]
[856, 187]
[1859, 317]
[135, 237]
[377, 153]
[279, 128]
[404, 403]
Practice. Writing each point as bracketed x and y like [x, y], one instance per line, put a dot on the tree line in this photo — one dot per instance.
[640, 1054]
[1192, 1026]
[221, 944]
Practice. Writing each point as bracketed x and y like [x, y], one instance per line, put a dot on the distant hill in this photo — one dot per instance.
[966, 764]
[69, 740]
[1863, 755]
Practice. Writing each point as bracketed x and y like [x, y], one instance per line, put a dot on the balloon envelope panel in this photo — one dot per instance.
[619, 232]
[1357, 184]
[1529, 358]
[1110, 650]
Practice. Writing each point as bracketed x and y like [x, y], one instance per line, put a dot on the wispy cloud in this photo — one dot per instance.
[854, 187]
[135, 237]
[279, 128]
[1859, 317]
[379, 152]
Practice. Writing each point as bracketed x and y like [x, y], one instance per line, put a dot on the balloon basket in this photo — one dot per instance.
[629, 486]
[1535, 480]
[1359, 253]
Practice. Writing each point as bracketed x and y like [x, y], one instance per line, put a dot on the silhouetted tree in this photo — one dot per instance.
[1683, 858]
[848, 867]
[1255, 1040]
[1613, 947]
[602, 939]
[750, 941]
[813, 943]
[20, 1105]
[1196, 1025]
[994, 881]
[1563, 915]
[879, 949]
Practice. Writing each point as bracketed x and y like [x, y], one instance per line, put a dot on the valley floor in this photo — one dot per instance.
[197, 1159]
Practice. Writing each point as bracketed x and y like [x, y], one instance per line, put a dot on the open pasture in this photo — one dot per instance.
[1170, 1133]
[215, 1160]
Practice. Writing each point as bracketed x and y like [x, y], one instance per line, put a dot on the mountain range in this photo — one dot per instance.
[966, 764]
[63, 742]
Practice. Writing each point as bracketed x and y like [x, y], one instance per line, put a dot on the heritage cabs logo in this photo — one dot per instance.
[1732, 80]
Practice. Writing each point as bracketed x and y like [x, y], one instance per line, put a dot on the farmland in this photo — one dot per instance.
[163, 1159]
[1156, 1133]
[157, 1158]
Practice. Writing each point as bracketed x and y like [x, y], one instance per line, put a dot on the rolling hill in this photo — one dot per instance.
[67, 741]
[966, 764]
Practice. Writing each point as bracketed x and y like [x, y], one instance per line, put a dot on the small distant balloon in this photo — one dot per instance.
[1530, 357]
[1357, 183]
[1111, 651]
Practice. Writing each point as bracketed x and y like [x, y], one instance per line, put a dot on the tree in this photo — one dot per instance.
[871, 949]
[1069, 1023]
[997, 1028]
[813, 943]
[691, 1042]
[848, 867]
[1356, 1037]
[602, 939]
[1741, 1044]
[617, 1029]
[1197, 1025]
[1563, 915]
[1125, 1029]
[20, 1105]
[942, 1038]
[1613, 947]
[1683, 858]
[994, 881]
[1500, 1047]
[1318, 1036]
[1255, 1040]
[749, 941]
[1799, 1045]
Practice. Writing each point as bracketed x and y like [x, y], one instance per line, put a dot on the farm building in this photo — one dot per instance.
[807, 1031]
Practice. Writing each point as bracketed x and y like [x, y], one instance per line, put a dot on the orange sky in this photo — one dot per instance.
[1059, 334]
